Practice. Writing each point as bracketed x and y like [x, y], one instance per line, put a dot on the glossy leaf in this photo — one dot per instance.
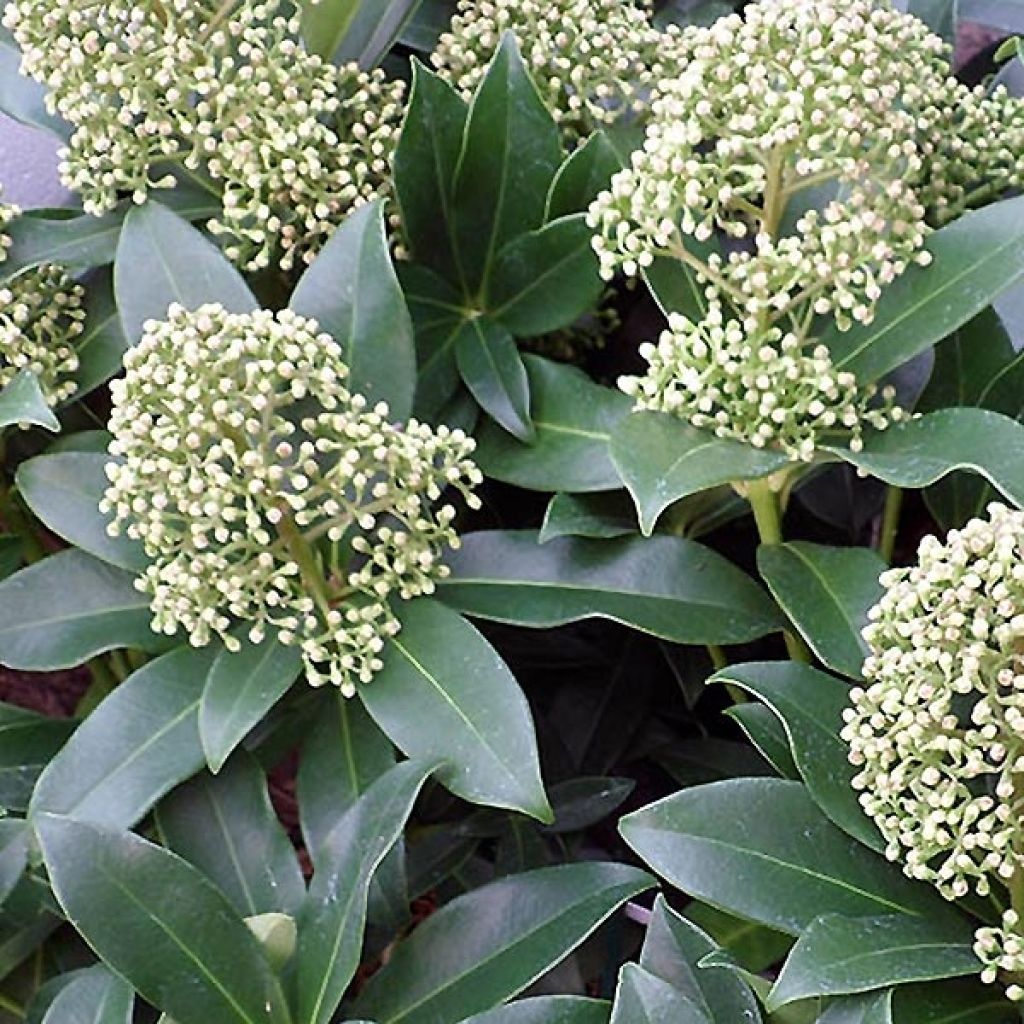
[974, 259]
[959, 1001]
[546, 1010]
[919, 452]
[601, 515]
[22, 401]
[872, 1008]
[491, 367]
[225, 826]
[67, 608]
[496, 940]
[826, 592]
[95, 996]
[795, 863]
[332, 920]
[842, 955]
[27, 743]
[14, 839]
[643, 998]
[509, 157]
[140, 742]
[662, 459]
[64, 491]
[587, 172]
[545, 279]
[76, 243]
[573, 419]
[444, 693]
[670, 587]
[161, 259]
[675, 288]
[810, 705]
[355, 30]
[352, 291]
[138, 906]
[583, 801]
[765, 730]
[102, 344]
[240, 689]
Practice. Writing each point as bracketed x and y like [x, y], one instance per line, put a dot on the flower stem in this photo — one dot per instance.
[890, 522]
[305, 558]
[11, 1006]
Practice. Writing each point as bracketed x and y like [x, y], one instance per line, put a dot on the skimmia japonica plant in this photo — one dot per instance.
[510, 513]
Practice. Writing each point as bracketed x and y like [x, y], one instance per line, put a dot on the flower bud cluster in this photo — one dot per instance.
[265, 493]
[764, 389]
[1001, 950]
[594, 61]
[937, 731]
[228, 92]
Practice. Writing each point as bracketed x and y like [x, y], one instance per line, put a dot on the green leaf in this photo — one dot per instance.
[355, 30]
[765, 730]
[826, 592]
[672, 951]
[796, 865]
[22, 401]
[842, 955]
[951, 1002]
[573, 419]
[425, 162]
[662, 459]
[672, 588]
[161, 259]
[872, 1008]
[14, 838]
[602, 515]
[23, 98]
[496, 940]
[67, 608]
[352, 291]
[545, 279]
[157, 922]
[27, 918]
[76, 243]
[586, 173]
[444, 693]
[546, 1010]
[753, 945]
[940, 16]
[27, 743]
[240, 689]
[643, 998]
[810, 706]
[509, 157]
[490, 365]
[225, 826]
[332, 920]
[675, 286]
[10, 554]
[64, 492]
[102, 345]
[919, 452]
[95, 996]
[974, 259]
[324, 24]
[583, 801]
[140, 742]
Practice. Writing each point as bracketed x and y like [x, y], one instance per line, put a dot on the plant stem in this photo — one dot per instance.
[120, 664]
[718, 658]
[103, 683]
[890, 522]
[305, 558]
[11, 1006]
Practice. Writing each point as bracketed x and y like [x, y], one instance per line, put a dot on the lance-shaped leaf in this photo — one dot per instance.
[959, 1001]
[600, 515]
[22, 401]
[667, 586]
[331, 922]
[872, 1008]
[27, 743]
[102, 345]
[139, 743]
[490, 944]
[351, 290]
[355, 30]
[14, 838]
[445, 694]
[826, 592]
[94, 996]
[587, 172]
[76, 243]
[64, 490]
[546, 1010]
[23, 98]
[161, 259]
[159, 923]
[765, 730]
[795, 863]
[662, 459]
[842, 955]
[643, 998]
[67, 608]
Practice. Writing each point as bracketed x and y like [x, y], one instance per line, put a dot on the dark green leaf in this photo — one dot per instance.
[491, 367]
[579, 180]
[662, 459]
[752, 944]
[95, 996]
[102, 344]
[226, 826]
[842, 955]
[140, 908]
[14, 838]
[331, 923]
[952, 1002]
[873, 1008]
[67, 608]
[495, 940]
[974, 259]
[139, 743]
[826, 592]
[351, 290]
[693, 761]
[583, 801]
[810, 705]
[509, 157]
[64, 491]
[643, 998]
[27, 743]
[546, 1010]
[795, 863]
[601, 515]
[10, 557]
[765, 730]
[670, 587]
[28, 916]
[544, 279]
[240, 689]
[161, 259]
[22, 401]
[573, 419]
[76, 243]
[675, 287]
[444, 693]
